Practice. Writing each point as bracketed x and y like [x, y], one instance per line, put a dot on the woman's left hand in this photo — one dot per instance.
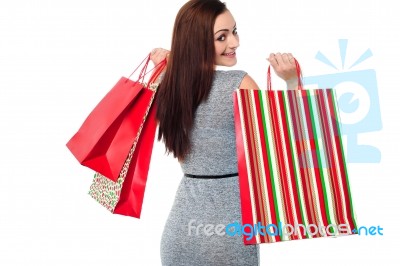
[283, 65]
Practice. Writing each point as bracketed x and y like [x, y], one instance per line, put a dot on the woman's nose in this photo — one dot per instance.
[234, 42]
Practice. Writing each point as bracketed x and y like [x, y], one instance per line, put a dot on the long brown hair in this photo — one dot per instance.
[189, 74]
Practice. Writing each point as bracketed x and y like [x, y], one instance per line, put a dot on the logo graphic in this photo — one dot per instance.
[358, 103]
[281, 229]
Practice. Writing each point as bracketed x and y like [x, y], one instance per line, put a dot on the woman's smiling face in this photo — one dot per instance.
[226, 40]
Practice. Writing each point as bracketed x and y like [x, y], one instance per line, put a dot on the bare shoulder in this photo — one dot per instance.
[248, 83]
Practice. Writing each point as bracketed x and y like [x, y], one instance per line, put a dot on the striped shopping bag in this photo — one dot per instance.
[293, 178]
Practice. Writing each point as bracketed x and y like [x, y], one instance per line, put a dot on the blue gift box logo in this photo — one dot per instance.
[358, 103]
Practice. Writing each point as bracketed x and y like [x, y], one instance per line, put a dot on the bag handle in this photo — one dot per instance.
[299, 76]
[143, 70]
[159, 68]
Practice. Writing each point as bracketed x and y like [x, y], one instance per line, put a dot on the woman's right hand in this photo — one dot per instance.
[158, 54]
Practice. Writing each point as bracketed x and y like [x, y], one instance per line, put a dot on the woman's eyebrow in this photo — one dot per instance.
[225, 29]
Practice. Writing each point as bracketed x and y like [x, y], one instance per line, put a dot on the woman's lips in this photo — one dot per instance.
[232, 54]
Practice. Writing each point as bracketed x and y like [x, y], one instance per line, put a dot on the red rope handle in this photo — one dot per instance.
[159, 69]
[143, 72]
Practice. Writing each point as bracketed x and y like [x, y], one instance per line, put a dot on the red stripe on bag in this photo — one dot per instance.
[341, 158]
[308, 169]
[258, 204]
[330, 155]
[295, 206]
[278, 102]
[245, 201]
[257, 163]
[315, 167]
[295, 211]
[273, 219]
[276, 145]
[298, 133]
[253, 167]
[307, 166]
[267, 190]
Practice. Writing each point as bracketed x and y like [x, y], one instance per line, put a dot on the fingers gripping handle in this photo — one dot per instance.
[299, 76]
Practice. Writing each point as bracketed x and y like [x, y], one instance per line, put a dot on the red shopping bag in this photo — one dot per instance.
[292, 171]
[103, 141]
[125, 196]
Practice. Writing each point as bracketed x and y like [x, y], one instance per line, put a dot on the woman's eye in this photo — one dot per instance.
[221, 38]
[235, 32]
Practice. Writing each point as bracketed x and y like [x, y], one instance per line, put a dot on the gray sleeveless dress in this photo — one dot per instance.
[194, 233]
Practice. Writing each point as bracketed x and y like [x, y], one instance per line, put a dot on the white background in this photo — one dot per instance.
[59, 58]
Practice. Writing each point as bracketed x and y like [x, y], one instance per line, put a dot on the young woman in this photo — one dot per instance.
[195, 113]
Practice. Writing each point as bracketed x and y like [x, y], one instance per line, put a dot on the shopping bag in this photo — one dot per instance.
[103, 141]
[125, 196]
[293, 177]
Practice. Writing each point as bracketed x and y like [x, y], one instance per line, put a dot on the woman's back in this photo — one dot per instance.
[213, 143]
[213, 200]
